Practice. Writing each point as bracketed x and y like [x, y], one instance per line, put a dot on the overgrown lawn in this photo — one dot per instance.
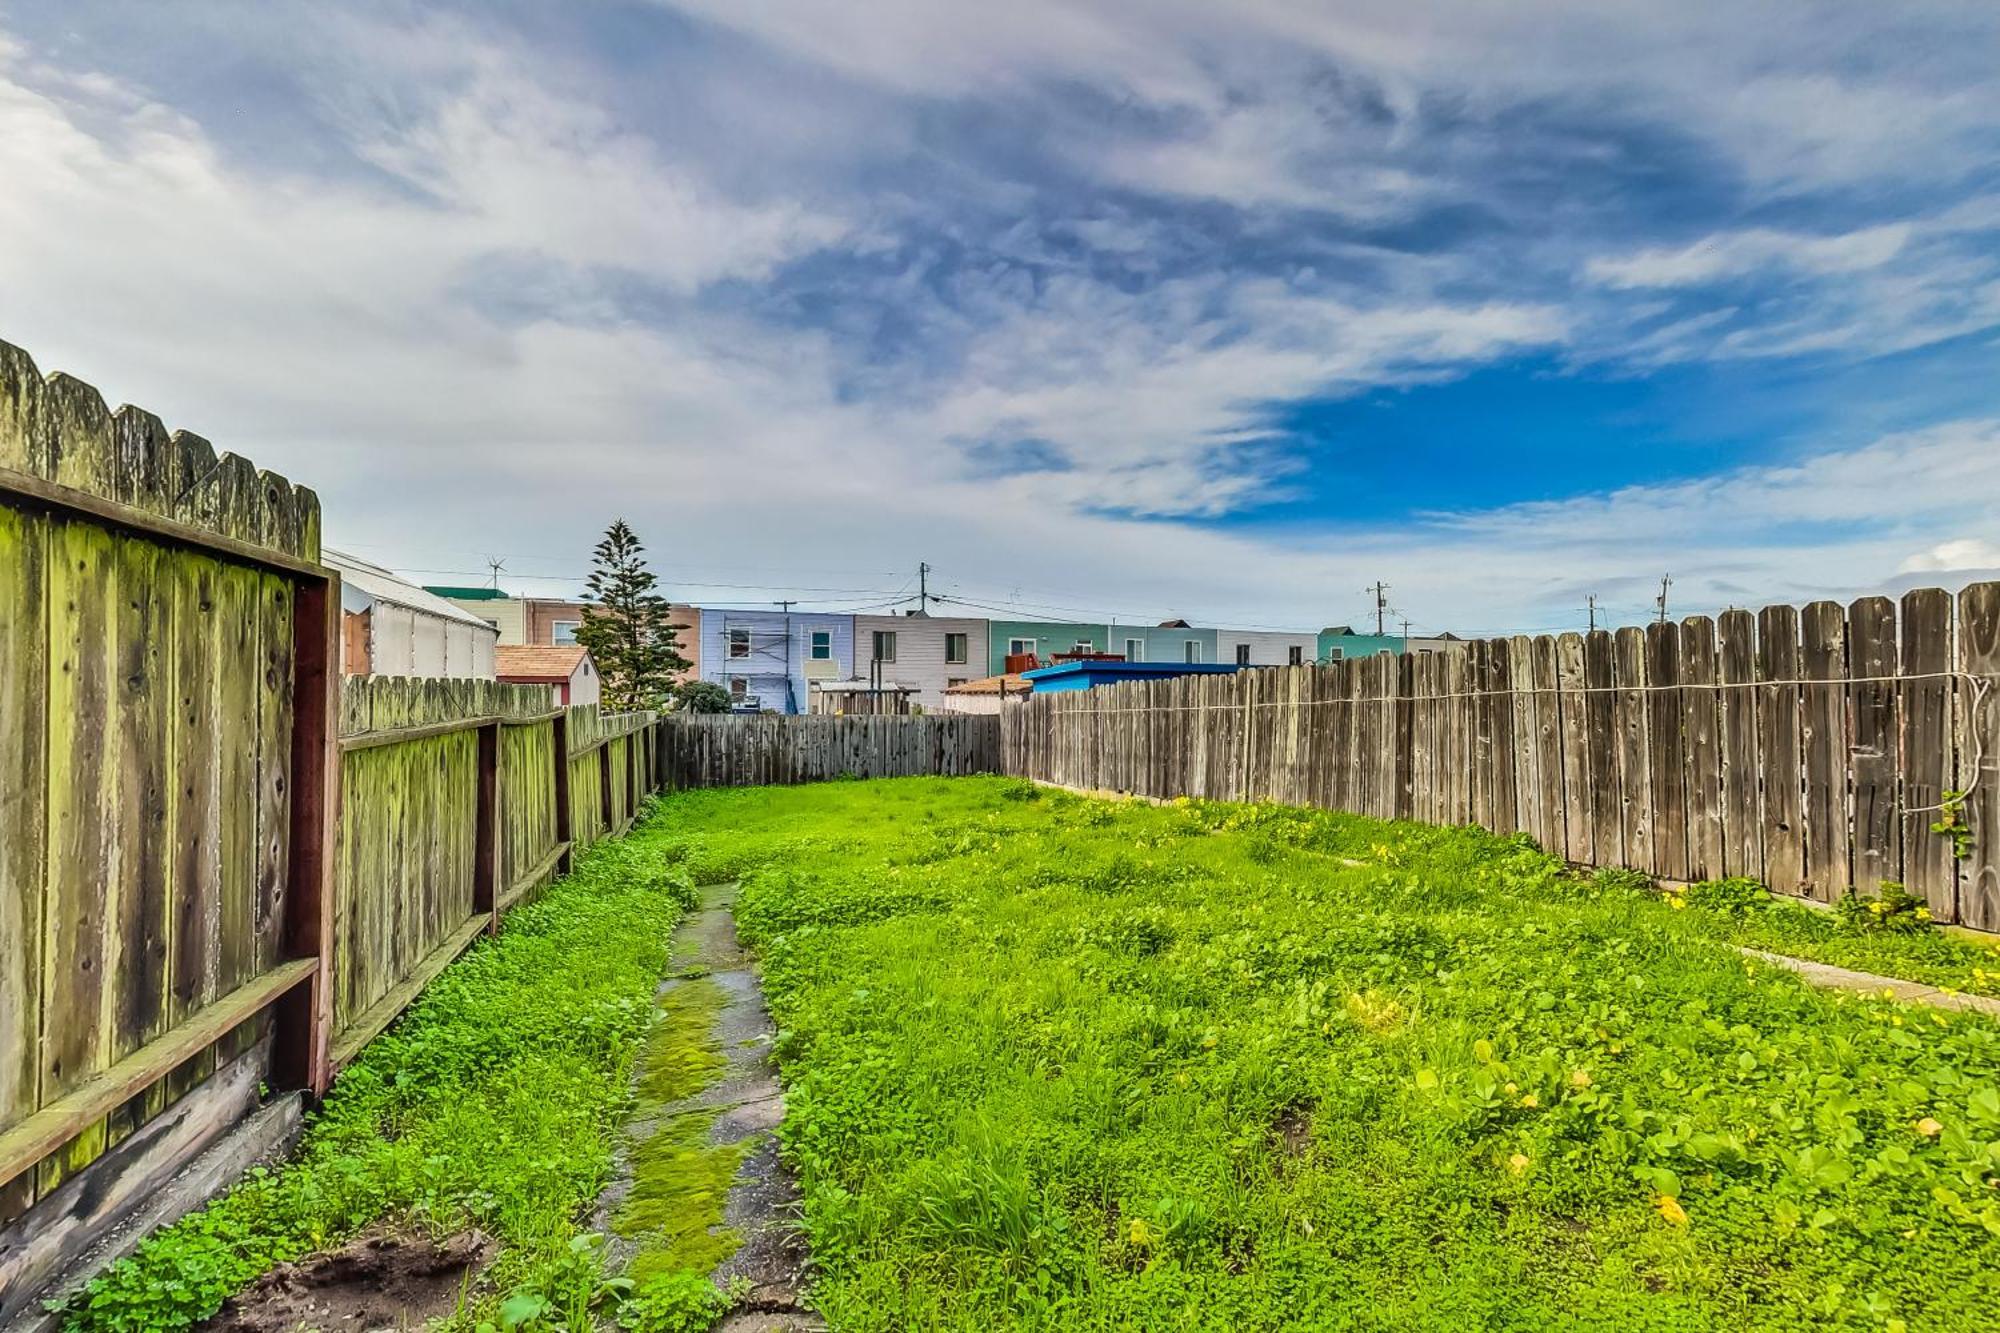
[1073, 1064]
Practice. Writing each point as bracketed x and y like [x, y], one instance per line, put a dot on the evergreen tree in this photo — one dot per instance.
[625, 629]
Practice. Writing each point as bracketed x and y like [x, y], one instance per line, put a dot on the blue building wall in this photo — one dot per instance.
[780, 663]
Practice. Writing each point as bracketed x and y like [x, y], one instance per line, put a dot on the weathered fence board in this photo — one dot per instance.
[1810, 750]
[740, 751]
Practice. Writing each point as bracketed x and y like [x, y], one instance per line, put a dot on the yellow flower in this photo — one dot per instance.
[1518, 1163]
[1929, 1128]
[1531, 1101]
[1139, 1233]
[1580, 1079]
[1670, 1208]
[1513, 1088]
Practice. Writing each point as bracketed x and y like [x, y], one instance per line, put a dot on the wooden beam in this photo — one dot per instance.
[305, 1027]
[58, 1122]
[369, 740]
[564, 832]
[531, 719]
[486, 829]
[519, 887]
[370, 1022]
[47, 495]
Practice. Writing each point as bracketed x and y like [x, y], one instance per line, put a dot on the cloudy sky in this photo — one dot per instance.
[1132, 309]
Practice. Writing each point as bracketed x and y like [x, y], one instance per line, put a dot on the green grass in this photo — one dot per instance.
[494, 1103]
[1071, 1064]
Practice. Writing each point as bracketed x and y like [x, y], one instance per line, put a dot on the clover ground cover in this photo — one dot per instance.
[1063, 1063]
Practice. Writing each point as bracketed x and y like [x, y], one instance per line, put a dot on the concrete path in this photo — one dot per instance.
[1910, 992]
[739, 1098]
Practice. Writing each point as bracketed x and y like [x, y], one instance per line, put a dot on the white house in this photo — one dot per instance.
[391, 627]
[1251, 647]
[928, 654]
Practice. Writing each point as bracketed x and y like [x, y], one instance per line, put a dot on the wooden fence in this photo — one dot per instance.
[188, 906]
[745, 751]
[1811, 750]
[454, 807]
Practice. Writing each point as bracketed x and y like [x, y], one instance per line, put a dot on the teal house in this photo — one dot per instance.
[1043, 638]
[1340, 641]
[1176, 641]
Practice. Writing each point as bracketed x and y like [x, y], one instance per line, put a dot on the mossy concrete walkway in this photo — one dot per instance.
[699, 1184]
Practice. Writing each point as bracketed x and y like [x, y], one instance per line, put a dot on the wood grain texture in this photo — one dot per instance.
[1979, 748]
[1874, 742]
[1929, 732]
[1630, 720]
[24, 665]
[1736, 708]
[1780, 754]
[1700, 728]
[1666, 752]
[1823, 737]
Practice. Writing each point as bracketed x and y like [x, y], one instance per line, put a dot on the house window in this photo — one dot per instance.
[1084, 646]
[1021, 647]
[1335, 654]
[739, 688]
[953, 682]
[739, 642]
[1296, 655]
[1135, 650]
[822, 645]
[885, 645]
[954, 648]
[563, 631]
[1243, 655]
[1194, 650]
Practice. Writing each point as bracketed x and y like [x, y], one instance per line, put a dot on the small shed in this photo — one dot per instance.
[391, 627]
[987, 695]
[565, 668]
[1086, 674]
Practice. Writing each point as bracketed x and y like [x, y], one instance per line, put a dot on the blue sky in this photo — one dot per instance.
[1152, 309]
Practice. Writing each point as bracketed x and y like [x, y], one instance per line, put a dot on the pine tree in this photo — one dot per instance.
[625, 629]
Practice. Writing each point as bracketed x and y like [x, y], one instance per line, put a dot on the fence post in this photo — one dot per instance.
[486, 830]
[565, 835]
[301, 1055]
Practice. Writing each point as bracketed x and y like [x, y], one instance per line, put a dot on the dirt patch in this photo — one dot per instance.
[1292, 1132]
[376, 1282]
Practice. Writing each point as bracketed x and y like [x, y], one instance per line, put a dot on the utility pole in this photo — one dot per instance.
[1666, 581]
[923, 586]
[1406, 635]
[1590, 605]
[1381, 607]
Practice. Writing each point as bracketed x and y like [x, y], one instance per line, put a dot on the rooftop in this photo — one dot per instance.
[537, 661]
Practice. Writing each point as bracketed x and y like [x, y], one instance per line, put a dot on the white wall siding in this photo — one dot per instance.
[1267, 647]
[920, 654]
[405, 642]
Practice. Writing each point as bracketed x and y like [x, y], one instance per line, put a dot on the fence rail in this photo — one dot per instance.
[1812, 750]
[736, 751]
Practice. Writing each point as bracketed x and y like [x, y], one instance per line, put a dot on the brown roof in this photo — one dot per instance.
[993, 685]
[536, 661]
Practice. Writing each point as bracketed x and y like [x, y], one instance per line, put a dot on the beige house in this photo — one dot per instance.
[925, 655]
[390, 627]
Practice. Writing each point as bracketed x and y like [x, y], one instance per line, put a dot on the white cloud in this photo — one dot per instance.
[1959, 553]
[1730, 254]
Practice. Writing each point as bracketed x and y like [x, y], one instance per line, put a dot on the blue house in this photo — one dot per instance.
[1083, 675]
[767, 660]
